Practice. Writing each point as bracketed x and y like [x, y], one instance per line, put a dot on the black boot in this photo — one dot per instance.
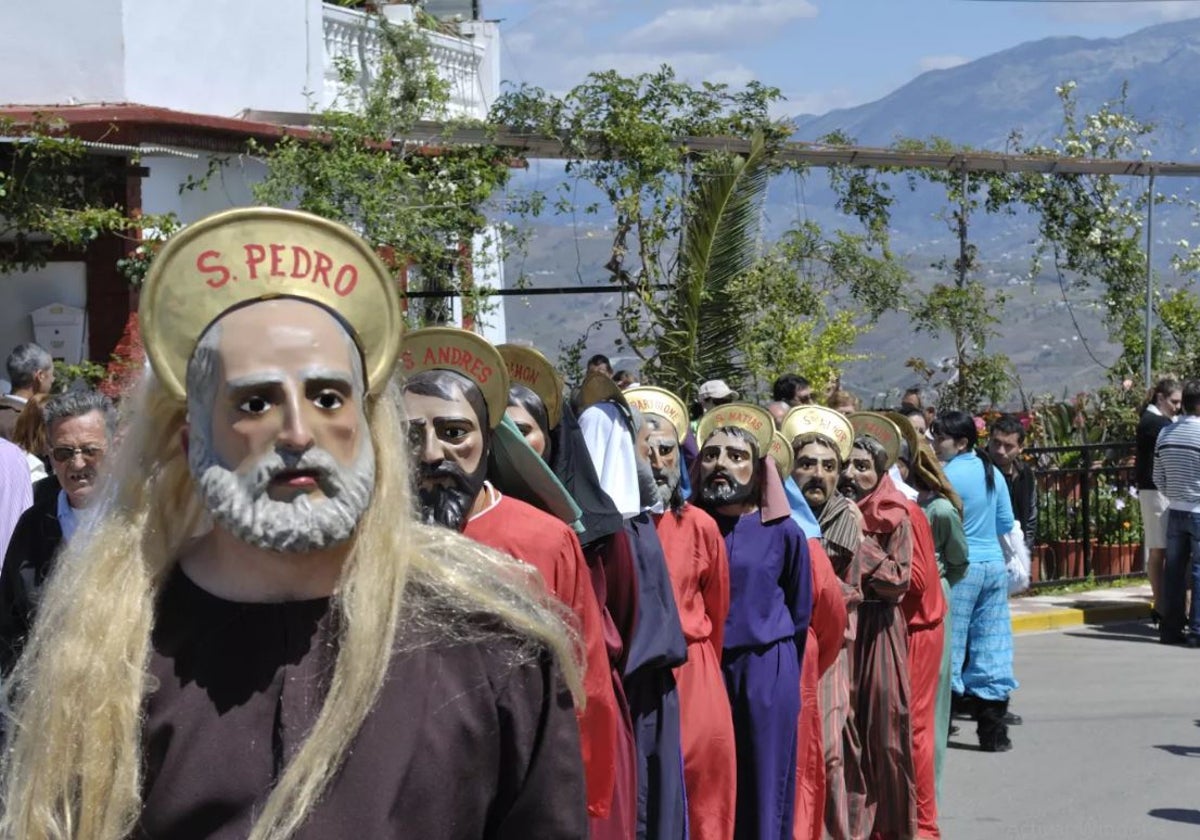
[964, 706]
[992, 730]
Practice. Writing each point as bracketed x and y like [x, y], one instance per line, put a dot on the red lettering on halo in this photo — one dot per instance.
[321, 270]
[277, 259]
[255, 254]
[297, 253]
[406, 358]
[205, 262]
[524, 374]
[448, 356]
[346, 280]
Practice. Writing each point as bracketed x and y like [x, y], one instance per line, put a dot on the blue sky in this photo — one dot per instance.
[822, 54]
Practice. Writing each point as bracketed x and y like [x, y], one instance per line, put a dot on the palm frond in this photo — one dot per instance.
[719, 245]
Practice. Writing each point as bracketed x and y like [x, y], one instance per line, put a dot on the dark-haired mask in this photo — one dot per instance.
[727, 471]
[450, 450]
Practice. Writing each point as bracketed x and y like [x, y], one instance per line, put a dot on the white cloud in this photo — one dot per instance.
[556, 51]
[720, 25]
[940, 62]
[691, 67]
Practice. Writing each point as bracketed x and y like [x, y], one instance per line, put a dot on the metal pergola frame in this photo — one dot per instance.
[433, 135]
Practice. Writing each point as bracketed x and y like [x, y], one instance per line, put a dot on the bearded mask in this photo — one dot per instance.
[667, 482]
[239, 499]
[240, 503]
[450, 439]
[721, 489]
[445, 493]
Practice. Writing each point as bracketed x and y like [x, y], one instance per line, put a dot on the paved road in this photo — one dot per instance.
[1110, 747]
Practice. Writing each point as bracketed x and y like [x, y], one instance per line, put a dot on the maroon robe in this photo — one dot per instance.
[466, 740]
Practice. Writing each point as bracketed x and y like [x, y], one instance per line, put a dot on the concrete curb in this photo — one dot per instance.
[1056, 618]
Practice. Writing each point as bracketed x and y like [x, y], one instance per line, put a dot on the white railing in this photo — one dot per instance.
[354, 35]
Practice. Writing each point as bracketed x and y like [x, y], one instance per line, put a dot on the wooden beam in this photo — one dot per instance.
[810, 154]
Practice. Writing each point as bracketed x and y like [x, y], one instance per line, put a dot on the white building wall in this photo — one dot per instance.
[214, 57]
[229, 187]
[68, 53]
[206, 56]
[489, 272]
[23, 292]
[221, 56]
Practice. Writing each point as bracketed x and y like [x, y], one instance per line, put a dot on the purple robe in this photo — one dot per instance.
[770, 604]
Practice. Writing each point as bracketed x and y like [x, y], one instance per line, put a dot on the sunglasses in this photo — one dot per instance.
[62, 454]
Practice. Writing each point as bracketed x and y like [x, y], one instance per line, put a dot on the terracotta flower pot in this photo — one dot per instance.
[1110, 560]
[1068, 558]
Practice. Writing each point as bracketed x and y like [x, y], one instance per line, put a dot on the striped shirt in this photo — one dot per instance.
[1177, 464]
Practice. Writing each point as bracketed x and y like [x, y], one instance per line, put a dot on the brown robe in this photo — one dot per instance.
[466, 740]
[886, 808]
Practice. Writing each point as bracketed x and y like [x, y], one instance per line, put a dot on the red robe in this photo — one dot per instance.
[924, 607]
[826, 638]
[699, 570]
[614, 580]
[551, 547]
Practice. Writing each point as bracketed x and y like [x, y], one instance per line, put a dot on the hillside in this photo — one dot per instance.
[980, 103]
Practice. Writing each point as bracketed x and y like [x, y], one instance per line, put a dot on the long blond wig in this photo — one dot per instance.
[72, 768]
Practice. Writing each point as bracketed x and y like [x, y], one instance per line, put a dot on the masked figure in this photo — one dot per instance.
[882, 693]
[547, 422]
[455, 393]
[769, 611]
[314, 664]
[821, 439]
[699, 570]
[925, 607]
[654, 641]
[826, 639]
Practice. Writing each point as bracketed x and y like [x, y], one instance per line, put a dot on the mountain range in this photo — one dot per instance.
[982, 102]
[1053, 335]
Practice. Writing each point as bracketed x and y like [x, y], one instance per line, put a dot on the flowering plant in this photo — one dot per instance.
[151, 239]
[1117, 516]
[1058, 517]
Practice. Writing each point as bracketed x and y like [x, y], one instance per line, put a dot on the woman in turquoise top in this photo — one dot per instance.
[981, 633]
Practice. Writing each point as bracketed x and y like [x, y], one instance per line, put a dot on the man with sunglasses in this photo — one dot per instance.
[79, 432]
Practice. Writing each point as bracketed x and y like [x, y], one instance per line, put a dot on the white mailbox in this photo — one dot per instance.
[61, 330]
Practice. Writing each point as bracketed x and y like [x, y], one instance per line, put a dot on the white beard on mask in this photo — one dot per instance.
[647, 486]
[670, 479]
[240, 504]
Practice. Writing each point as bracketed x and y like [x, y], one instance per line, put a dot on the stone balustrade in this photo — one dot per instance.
[354, 35]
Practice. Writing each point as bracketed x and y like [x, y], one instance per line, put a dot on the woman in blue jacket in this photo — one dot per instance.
[981, 633]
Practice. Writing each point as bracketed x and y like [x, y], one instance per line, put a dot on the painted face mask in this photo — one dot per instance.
[278, 441]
